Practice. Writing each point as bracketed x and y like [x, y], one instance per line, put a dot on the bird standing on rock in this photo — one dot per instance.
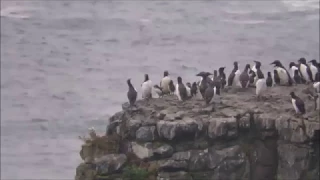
[188, 87]
[315, 69]
[261, 85]
[305, 70]
[222, 77]
[233, 79]
[269, 81]
[164, 83]
[244, 77]
[172, 87]
[132, 93]
[297, 103]
[204, 82]
[181, 90]
[146, 87]
[194, 89]
[282, 73]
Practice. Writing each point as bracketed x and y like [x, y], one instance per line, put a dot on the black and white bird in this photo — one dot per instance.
[296, 77]
[244, 77]
[257, 69]
[261, 85]
[315, 69]
[172, 87]
[164, 83]
[269, 81]
[276, 77]
[181, 90]
[194, 89]
[209, 93]
[292, 67]
[158, 90]
[204, 82]
[188, 86]
[305, 70]
[222, 77]
[216, 80]
[132, 93]
[282, 73]
[146, 87]
[297, 104]
[252, 77]
[233, 79]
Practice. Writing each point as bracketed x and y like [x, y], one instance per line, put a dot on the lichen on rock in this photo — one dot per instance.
[241, 138]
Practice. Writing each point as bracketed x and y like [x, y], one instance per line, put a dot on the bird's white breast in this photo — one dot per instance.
[314, 71]
[165, 84]
[261, 86]
[177, 92]
[282, 75]
[316, 86]
[292, 69]
[294, 105]
[146, 88]
[304, 73]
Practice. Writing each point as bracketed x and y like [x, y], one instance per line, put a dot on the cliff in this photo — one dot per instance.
[240, 138]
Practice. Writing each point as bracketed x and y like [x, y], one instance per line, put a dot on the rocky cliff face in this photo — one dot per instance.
[241, 138]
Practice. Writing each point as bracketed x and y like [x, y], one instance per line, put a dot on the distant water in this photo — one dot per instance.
[64, 63]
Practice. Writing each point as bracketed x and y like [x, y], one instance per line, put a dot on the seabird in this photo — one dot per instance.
[257, 69]
[269, 81]
[158, 90]
[132, 93]
[276, 77]
[244, 77]
[181, 90]
[204, 82]
[233, 79]
[188, 87]
[316, 86]
[285, 78]
[293, 66]
[252, 76]
[146, 87]
[315, 69]
[261, 85]
[216, 80]
[305, 70]
[209, 93]
[194, 89]
[297, 103]
[296, 77]
[172, 87]
[222, 76]
[164, 83]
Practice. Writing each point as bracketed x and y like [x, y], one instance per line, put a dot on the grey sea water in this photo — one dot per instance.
[64, 64]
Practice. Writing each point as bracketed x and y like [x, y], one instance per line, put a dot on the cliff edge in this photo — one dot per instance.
[240, 138]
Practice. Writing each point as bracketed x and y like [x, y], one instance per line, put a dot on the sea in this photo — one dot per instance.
[64, 63]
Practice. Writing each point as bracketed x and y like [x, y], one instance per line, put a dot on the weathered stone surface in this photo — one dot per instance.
[222, 128]
[163, 151]
[146, 133]
[133, 126]
[140, 151]
[293, 162]
[182, 129]
[110, 163]
[198, 161]
[182, 156]
[173, 166]
[85, 171]
[181, 175]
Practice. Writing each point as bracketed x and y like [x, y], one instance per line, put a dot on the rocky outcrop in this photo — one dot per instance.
[240, 138]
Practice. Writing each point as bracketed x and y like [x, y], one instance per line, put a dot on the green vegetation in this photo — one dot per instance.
[135, 173]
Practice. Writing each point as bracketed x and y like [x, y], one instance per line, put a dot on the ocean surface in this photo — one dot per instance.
[64, 63]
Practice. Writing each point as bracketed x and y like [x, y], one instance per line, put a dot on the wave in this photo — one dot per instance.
[302, 5]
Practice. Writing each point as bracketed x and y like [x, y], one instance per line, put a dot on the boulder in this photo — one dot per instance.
[172, 165]
[110, 163]
[225, 128]
[146, 133]
[181, 175]
[177, 130]
[164, 151]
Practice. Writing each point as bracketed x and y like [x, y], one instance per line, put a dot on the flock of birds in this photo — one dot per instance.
[210, 87]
